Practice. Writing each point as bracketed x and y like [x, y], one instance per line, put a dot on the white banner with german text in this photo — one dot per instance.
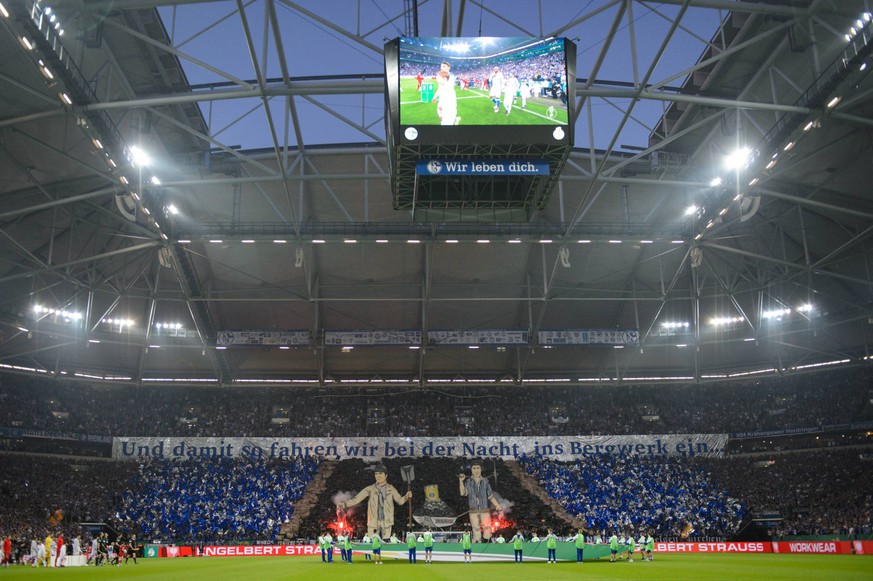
[376, 448]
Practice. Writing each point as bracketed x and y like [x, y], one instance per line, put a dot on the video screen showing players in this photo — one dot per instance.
[483, 81]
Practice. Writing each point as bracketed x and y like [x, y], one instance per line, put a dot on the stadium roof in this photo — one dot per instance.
[264, 121]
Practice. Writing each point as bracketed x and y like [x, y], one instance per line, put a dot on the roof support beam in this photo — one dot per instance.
[96, 257]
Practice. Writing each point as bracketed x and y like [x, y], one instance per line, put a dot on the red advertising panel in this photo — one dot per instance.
[814, 547]
[262, 551]
[726, 547]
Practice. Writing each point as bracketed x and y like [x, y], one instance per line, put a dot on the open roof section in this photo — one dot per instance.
[255, 215]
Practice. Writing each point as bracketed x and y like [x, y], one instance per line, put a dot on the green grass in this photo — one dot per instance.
[475, 108]
[665, 567]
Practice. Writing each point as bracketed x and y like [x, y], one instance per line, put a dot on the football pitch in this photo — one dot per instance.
[476, 108]
[665, 567]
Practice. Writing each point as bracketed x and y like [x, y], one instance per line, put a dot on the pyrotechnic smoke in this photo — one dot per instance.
[506, 505]
[342, 496]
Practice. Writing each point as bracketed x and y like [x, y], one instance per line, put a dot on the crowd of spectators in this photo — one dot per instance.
[824, 492]
[41, 495]
[633, 495]
[790, 403]
[220, 500]
[195, 501]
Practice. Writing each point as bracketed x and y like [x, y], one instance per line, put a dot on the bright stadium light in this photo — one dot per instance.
[720, 321]
[739, 159]
[775, 313]
[139, 157]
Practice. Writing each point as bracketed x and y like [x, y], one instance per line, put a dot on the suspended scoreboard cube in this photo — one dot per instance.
[487, 162]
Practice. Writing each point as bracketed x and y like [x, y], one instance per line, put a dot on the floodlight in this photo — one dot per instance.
[739, 159]
[139, 157]
[775, 313]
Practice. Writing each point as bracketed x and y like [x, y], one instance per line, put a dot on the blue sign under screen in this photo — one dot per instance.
[480, 167]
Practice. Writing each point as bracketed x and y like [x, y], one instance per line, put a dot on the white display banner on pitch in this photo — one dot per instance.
[555, 447]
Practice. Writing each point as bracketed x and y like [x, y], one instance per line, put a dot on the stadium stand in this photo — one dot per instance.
[192, 501]
[829, 398]
[631, 495]
[820, 489]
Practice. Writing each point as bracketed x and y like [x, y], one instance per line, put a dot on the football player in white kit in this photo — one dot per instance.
[509, 90]
[448, 100]
[524, 91]
[495, 84]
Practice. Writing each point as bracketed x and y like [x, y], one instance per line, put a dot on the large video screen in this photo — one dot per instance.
[480, 90]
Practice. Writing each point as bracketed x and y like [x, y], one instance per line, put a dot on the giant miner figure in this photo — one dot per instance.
[380, 507]
[478, 491]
